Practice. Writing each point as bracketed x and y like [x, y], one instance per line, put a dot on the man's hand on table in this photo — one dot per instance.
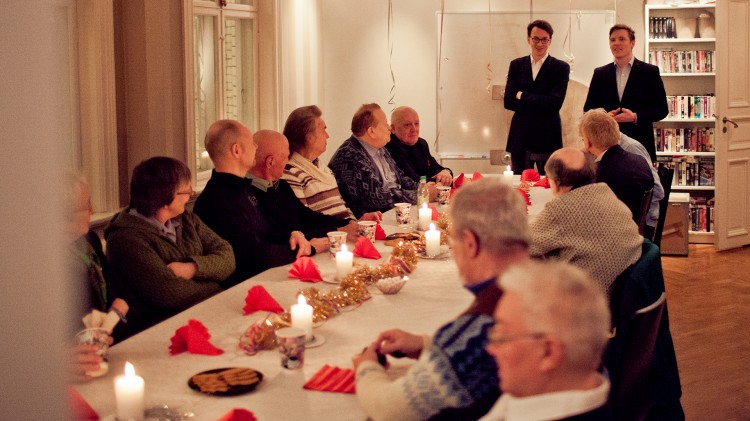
[396, 341]
[369, 354]
[297, 239]
[372, 216]
[320, 244]
[444, 178]
[351, 230]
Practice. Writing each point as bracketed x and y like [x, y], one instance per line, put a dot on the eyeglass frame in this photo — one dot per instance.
[189, 193]
[497, 339]
[537, 40]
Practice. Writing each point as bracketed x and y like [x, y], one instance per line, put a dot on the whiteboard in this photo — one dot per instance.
[469, 122]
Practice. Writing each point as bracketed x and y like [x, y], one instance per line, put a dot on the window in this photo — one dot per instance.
[222, 56]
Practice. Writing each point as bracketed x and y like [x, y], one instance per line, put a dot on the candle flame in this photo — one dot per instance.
[405, 278]
[424, 205]
[432, 227]
[301, 300]
[343, 247]
[129, 370]
[507, 168]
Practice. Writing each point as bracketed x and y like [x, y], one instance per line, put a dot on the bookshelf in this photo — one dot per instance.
[681, 41]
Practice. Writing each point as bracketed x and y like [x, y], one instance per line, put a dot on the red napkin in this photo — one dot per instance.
[379, 233]
[435, 212]
[364, 248]
[238, 414]
[258, 299]
[529, 175]
[476, 176]
[305, 269]
[526, 197]
[193, 338]
[332, 379]
[544, 182]
[458, 181]
[82, 411]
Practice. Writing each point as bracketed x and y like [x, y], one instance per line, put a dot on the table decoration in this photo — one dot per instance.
[238, 414]
[258, 299]
[193, 338]
[79, 407]
[432, 241]
[530, 175]
[261, 335]
[344, 259]
[459, 181]
[425, 215]
[332, 379]
[391, 285]
[477, 176]
[435, 213]
[544, 182]
[227, 381]
[379, 233]
[302, 316]
[305, 269]
[364, 248]
[508, 176]
[129, 395]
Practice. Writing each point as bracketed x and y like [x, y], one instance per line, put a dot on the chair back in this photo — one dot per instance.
[643, 211]
[665, 177]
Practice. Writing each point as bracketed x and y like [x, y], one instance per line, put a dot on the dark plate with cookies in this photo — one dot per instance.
[228, 381]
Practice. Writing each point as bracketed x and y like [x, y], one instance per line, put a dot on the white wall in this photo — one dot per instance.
[356, 58]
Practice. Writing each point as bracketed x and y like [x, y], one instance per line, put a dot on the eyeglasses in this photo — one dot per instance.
[188, 192]
[536, 40]
[494, 338]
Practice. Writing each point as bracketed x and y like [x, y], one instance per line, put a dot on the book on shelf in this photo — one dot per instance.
[702, 214]
[689, 170]
[682, 61]
[661, 27]
[684, 139]
[691, 106]
[706, 172]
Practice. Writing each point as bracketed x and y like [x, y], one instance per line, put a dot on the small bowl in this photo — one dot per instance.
[390, 285]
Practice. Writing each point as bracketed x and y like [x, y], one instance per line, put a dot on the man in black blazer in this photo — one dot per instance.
[535, 90]
[627, 174]
[629, 89]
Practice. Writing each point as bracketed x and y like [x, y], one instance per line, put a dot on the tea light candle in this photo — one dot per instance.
[344, 260]
[508, 176]
[432, 241]
[302, 316]
[425, 216]
[129, 395]
[205, 160]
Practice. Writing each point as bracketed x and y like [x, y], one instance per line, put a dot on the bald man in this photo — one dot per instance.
[278, 203]
[228, 205]
[585, 223]
[411, 152]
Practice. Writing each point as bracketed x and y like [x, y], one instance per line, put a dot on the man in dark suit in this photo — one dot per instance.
[627, 174]
[535, 90]
[629, 89]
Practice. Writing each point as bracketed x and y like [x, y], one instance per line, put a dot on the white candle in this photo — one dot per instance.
[425, 216]
[344, 260]
[205, 160]
[302, 316]
[432, 241]
[508, 176]
[129, 395]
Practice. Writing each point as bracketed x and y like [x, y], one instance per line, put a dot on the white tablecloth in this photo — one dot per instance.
[432, 297]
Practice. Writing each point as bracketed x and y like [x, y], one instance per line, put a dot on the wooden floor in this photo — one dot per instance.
[708, 298]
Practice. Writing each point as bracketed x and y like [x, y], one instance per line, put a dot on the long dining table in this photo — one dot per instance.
[433, 296]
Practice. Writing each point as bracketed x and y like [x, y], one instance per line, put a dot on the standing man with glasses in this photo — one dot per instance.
[550, 331]
[630, 90]
[535, 90]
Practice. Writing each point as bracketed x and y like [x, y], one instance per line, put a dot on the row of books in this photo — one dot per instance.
[682, 61]
[661, 27]
[689, 170]
[701, 214]
[691, 106]
[684, 139]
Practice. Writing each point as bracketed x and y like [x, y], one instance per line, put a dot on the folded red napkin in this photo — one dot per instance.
[379, 233]
[258, 299]
[238, 414]
[458, 181]
[529, 175]
[435, 212]
[364, 248]
[332, 379]
[526, 197]
[544, 182]
[82, 411]
[305, 269]
[193, 338]
[476, 176]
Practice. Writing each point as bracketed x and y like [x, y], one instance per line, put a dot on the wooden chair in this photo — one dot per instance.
[665, 177]
[643, 211]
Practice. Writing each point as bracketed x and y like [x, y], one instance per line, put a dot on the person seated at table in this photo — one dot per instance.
[636, 148]
[163, 257]
[627, 174]
[584, 223]
[310, 179]
[550, 331]
[278, 204]
[229, 206]
[367, 175]
[411, 152]
[454, 377]
[88, 269]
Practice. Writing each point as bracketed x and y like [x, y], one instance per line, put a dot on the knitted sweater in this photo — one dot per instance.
[590, 228]
[138, 255]
[315, 186]
[453, 377]
[361, 184]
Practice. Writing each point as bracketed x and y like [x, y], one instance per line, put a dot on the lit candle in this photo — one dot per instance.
[508, 176]
[425, 216]
[129, 395]
[432, 241]
[302, 316]
[205, 160]
[344, 260]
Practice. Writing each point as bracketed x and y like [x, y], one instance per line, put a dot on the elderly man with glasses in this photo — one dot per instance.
[535, 90]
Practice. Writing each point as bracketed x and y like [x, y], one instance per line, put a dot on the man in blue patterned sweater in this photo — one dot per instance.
[367, 175]
[454, 377]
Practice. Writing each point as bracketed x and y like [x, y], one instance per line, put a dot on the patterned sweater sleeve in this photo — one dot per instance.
[545, 231]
